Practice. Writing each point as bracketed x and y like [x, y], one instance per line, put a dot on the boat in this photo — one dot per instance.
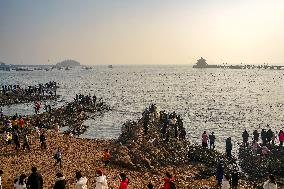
[110, 66]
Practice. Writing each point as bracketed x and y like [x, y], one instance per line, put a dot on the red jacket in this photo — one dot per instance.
[167, 183]
[123, 184]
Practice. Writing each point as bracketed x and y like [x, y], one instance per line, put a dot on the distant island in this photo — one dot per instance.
[201, 63]
[68, 63]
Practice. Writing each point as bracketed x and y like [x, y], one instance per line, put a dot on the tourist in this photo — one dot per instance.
[20, 183]
[220, 172]
[150, 186]
[245, 136]
[264, 151]
[226, 182]
[270, 183]
[26, 143]
[168, 182]
[101, 181]
[255, 146]
[42, 140]
[57, 157]
[281, 137]
[1, 173]
[255, 135]
[16, 140]
[182, 134]
[212, 140]
[35, 180]
[269, 136]
[229, 147]
[263, 136]
[60, 182]
[204, 140]
[146, 122]
[106, 157]
[123, 181]
[235, 179]
[81, 181]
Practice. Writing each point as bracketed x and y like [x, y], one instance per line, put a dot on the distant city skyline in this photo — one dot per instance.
[142, 32]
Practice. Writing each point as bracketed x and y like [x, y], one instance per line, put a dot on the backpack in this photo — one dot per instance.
[172, 185]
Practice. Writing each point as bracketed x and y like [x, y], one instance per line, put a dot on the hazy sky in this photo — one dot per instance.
[141, 32]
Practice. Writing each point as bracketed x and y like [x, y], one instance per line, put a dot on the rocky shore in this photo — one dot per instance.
[142, 151]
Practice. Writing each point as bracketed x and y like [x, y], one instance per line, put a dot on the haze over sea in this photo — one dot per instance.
[225, 101]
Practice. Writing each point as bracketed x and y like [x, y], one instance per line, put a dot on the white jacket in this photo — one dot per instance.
[269, 185]
[225, 184]
[81, 183]
[101, 182]
[17, 185]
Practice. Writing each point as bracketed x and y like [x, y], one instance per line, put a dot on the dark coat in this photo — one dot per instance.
[60, 183]
[35, 181]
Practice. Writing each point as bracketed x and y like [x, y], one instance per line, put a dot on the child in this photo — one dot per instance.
[106, 157]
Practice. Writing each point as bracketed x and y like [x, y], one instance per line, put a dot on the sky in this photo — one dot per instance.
[96, 32]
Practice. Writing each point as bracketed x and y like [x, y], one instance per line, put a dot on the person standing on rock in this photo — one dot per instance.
[124, 181]
[245, 136]
[35, 180]
[255, 135]
[269, 136]
[204, 140]
[212, 140]
[146, 122]
[229, 147]
[101, 181]
[281, 137]
[220, 172]
[235, 179]
[263, 136]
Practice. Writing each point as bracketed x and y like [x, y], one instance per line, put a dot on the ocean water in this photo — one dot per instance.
[225, 101]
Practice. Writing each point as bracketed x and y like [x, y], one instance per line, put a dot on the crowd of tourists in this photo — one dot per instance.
[40, 89]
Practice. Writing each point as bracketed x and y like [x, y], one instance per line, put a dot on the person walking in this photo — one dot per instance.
[35, 180]
[101, 181]
[220, 172]
[106, 157]
[60, 182]
[26, 143]
[57, 157]
[42, 140]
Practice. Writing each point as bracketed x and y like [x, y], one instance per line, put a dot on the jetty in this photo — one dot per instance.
[201, 63]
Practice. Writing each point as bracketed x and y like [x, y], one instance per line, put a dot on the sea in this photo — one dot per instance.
[223, 101]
